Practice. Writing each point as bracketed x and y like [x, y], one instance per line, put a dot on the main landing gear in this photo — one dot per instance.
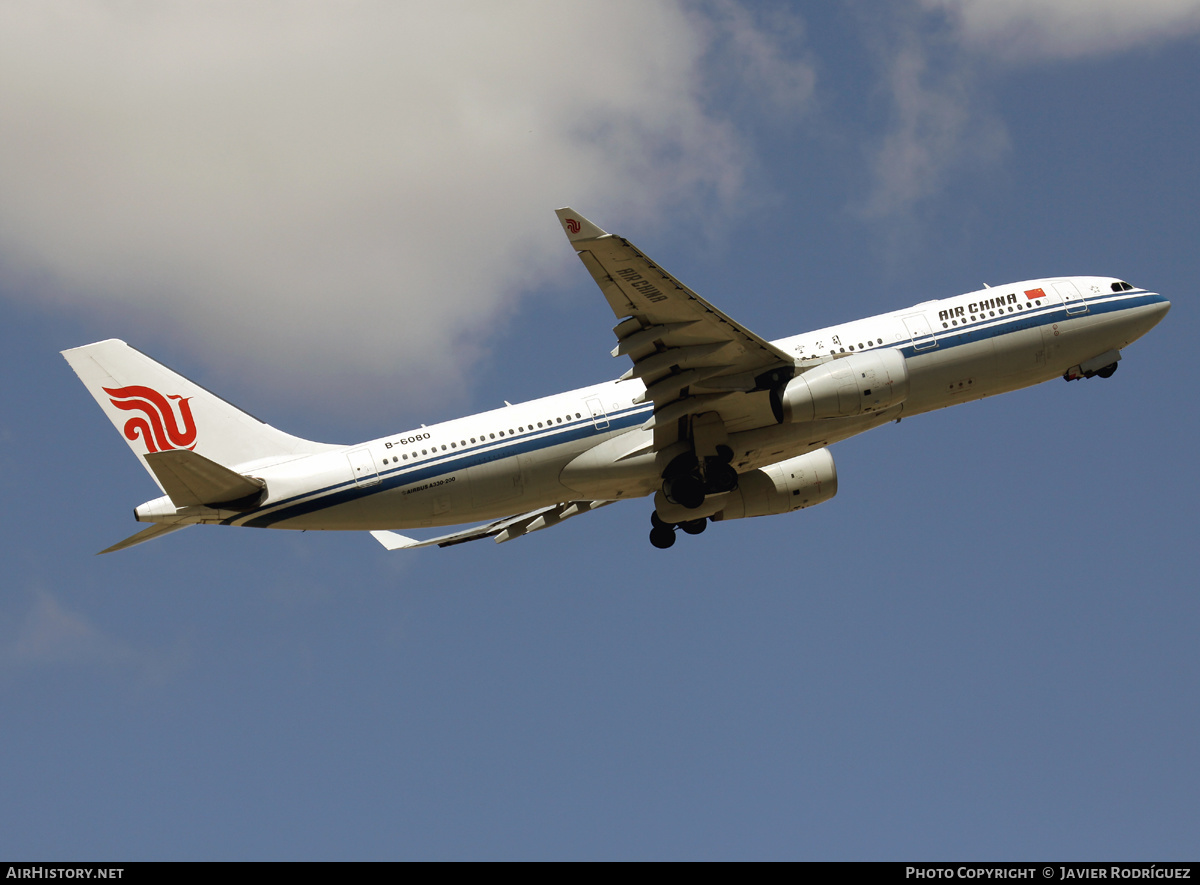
[662, 535]
[687, 482]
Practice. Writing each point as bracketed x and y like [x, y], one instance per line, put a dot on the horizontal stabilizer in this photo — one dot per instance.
[193, 480]
[155, 531]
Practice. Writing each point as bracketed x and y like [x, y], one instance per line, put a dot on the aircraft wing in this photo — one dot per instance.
[502, 529]
[691, 356]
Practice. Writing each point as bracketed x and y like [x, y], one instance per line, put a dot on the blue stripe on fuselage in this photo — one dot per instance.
[341, 493]
[994, 327]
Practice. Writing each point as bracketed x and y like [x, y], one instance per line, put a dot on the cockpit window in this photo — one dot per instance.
[1121, 287]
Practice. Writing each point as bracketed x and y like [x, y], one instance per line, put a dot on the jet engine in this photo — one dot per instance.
[780, 488]
[852, 385]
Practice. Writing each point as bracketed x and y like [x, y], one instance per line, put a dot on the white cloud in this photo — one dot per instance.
[940, 125]
[1069, 28]
[49, 634]
[358, 187]
[937, 126]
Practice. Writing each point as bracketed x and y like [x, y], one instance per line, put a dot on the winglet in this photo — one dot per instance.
[394, 541]
[577, 227]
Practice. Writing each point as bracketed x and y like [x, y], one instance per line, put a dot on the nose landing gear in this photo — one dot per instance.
[1103, 365]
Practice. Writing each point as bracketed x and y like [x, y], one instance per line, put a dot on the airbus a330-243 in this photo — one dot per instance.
[712, 420]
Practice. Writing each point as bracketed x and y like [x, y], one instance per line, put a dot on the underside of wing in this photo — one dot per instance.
[502, 529]
[692, 358]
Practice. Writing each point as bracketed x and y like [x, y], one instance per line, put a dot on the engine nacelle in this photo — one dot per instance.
[781, 488]
[844, 387]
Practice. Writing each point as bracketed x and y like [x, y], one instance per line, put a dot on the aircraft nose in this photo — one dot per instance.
[1150, 315]
[1158, 310]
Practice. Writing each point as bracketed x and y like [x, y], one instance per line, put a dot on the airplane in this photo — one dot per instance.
[713, 421]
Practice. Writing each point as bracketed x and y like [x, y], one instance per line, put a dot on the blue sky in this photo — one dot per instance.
[340, 218]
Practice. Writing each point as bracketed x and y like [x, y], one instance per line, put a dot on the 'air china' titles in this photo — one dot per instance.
[977, 307]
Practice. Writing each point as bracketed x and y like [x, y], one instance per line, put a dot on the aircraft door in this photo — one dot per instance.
[920, 333]
[599, 416]
[362, 467]
[1071, 298]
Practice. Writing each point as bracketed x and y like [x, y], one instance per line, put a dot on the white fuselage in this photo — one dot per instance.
[591, 443]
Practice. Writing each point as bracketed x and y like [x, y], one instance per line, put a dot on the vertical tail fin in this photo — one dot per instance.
[159, 410]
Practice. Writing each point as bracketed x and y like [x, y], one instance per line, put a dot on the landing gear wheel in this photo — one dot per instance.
[686, 491]
[657, 521]
[1107, 371]
[694, 526]
[662, 537]
[721, 478]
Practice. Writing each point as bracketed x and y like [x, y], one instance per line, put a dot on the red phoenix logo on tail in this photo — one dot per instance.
[573, 226]
[157, 426]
